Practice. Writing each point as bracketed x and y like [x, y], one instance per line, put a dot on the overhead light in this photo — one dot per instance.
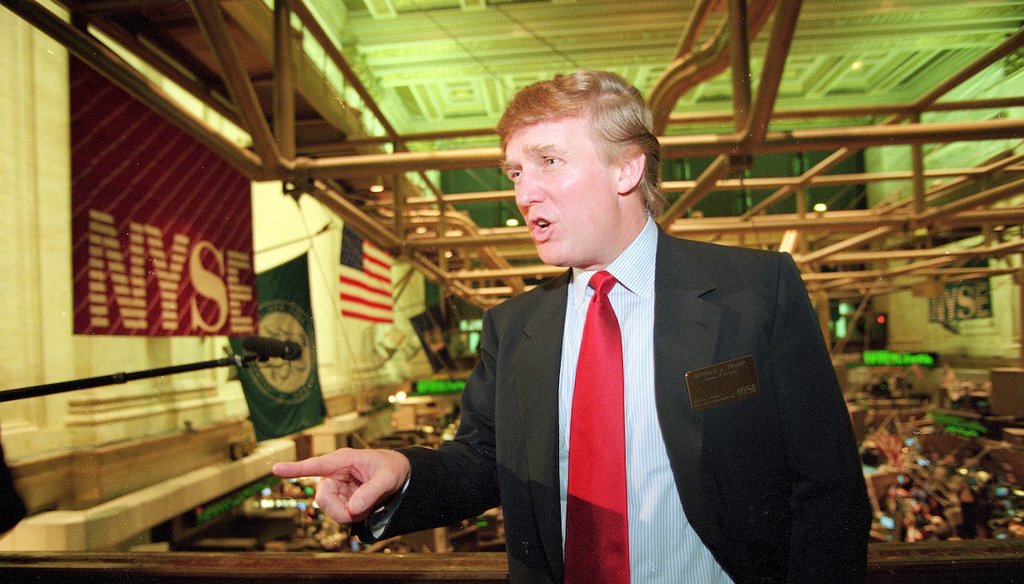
[857, 65]
[820, 207]
[377, 186]
[511, 222]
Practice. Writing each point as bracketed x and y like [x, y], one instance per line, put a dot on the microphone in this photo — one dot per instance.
[266, 347]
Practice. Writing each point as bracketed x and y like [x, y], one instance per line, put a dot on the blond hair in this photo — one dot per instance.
[619, 117]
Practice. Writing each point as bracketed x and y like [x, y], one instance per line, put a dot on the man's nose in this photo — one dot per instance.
[528, 191]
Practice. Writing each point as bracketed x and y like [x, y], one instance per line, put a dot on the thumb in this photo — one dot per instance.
[388, 478]
[365, 499]
[360, 502]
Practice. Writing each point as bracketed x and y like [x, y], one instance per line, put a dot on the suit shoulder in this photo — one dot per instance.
[524, 304]
[715, 254]
[696, 264]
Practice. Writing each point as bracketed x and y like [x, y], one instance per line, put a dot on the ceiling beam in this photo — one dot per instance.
[715, 172]
[854, 137]
[828, 222]
[739, 61]
[693, 67]
[746, 184]
[957, 273]
[751, 126]
[943, 253]
[985, 197]
[779, 44]
[847, 150]
[364, 165]
[284, 79]
[698, 118]
[352, 79]
[684, 119]
[117, 71]
[854, 241]
[1004, 166]
[239, 85]
[828, 238]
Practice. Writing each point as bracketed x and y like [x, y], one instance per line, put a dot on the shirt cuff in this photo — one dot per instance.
[378, 521]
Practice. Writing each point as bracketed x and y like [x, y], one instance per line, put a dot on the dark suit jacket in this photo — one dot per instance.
[12, 508]
[771, 484]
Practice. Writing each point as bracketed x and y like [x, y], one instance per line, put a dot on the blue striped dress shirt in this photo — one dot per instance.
[663, 547]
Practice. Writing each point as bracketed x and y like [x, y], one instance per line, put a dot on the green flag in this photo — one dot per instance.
[283, 395]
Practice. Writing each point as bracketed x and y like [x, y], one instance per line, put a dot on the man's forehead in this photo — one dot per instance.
[530, 142]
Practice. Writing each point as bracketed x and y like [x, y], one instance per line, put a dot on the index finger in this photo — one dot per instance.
[302, 468]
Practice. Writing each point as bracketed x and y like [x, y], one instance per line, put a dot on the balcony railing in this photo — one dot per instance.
[975, 561]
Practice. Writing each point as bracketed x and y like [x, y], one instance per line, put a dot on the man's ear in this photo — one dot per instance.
[631, 172]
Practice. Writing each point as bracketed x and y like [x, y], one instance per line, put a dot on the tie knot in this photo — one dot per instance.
[602, 282]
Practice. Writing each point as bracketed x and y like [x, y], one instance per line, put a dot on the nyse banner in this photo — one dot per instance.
[161, 226]
[961, 301]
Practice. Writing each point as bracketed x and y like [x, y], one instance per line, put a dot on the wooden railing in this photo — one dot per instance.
[974, 562]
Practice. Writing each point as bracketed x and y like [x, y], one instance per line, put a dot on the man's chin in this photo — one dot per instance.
[550, 256]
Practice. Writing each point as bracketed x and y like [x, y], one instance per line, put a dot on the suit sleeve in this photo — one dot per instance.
[458, 480]
[831, 516]
[12, 509]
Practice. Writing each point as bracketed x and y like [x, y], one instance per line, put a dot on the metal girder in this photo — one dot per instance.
[211, 21]
[694, 66]
[682, 146]
[699, 118]
[752, 183]
[119, 72]
[284, 79]
[751, 125]
[847, 150]
[831, 238]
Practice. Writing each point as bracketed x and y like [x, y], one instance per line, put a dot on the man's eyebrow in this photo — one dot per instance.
[542, 149]
[531, 150]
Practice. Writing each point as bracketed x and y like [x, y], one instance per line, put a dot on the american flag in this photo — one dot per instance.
[365, 278]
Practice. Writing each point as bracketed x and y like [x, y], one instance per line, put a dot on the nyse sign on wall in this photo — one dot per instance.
[142, 285]
[961, 301]
[161, 226]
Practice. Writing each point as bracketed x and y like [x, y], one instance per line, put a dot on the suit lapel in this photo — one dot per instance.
[685, 335]
[537, 371]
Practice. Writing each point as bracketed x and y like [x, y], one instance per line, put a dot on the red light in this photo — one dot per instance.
[880, 319]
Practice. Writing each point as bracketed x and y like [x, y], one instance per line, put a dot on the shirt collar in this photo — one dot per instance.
[634, 268]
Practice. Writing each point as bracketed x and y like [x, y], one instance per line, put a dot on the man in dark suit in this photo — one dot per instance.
[12, 508]
[741, 465]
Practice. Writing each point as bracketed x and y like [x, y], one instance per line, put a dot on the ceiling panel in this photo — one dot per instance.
[862, 51]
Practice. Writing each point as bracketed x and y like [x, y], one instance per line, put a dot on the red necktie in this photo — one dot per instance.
[596, 535]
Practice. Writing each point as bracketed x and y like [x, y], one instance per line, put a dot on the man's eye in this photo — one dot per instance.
[514, 174]
[550, 161]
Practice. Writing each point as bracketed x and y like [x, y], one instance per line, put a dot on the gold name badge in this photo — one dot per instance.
[722, 383]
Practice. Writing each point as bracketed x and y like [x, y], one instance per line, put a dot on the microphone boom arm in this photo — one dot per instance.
[62, 386]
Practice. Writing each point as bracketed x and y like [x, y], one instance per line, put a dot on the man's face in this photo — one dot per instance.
[569, 196]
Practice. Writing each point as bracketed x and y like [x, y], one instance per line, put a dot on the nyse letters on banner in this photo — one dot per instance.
[161, 226]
